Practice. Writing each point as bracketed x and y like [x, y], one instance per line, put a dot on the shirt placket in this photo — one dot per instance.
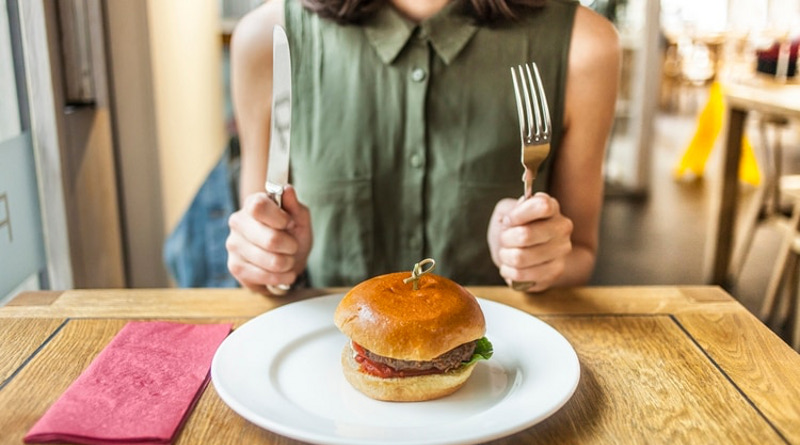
[415, 149]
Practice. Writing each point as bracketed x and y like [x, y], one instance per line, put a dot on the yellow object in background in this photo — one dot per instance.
[748, 166]
[709, 124]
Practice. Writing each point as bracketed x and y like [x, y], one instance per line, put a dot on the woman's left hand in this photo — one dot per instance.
[529, 240]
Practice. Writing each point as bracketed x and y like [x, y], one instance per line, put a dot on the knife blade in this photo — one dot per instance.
[280, 124]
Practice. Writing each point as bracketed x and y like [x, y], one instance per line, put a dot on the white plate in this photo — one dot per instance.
[281, 371]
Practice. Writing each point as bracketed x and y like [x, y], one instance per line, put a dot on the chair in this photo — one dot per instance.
[781, 303]
[771, 204]
[776, 203]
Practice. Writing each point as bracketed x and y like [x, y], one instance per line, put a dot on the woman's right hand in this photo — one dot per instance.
[267, 244]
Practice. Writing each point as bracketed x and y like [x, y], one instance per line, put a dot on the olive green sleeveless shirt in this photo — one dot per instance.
[405, 136]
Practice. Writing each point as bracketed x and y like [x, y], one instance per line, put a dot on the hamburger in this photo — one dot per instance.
[410, 341]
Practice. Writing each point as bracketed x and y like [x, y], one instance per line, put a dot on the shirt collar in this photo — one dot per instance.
[448, 31]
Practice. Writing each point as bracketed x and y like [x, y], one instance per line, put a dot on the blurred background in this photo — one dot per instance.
[114, 112]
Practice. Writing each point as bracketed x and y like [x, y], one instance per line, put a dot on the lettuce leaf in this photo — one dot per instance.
[483, 351]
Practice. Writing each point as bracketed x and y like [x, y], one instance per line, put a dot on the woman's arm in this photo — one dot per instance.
[592, 82]
[551, 239]
[251, 88]
[267, 244]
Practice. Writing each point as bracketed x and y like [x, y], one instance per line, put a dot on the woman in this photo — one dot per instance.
[405, 141]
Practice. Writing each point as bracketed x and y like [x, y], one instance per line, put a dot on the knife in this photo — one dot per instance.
[280, 125]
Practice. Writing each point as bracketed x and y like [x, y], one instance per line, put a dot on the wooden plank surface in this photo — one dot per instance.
[614, 300]
[50, 373]
[19, 339]
[39, 298]
[214, 422]
[153, 303]
[186, 303]
[658, 364]
[643, 379]
[53, 369]
[764, 367]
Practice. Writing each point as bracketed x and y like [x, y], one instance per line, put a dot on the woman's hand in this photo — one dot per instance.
[530, 240]
[269, 245]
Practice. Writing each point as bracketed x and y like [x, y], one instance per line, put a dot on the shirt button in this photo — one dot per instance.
[416, 160]
[418, 74]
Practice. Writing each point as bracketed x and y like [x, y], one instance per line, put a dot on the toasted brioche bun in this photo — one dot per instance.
[403, 389]
[390, 318]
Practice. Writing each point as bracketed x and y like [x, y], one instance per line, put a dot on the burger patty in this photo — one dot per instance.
[449, 360]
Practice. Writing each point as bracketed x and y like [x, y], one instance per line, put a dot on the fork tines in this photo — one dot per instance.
[534, 115]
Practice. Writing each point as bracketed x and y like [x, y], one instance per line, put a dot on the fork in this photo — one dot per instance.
[534, 127]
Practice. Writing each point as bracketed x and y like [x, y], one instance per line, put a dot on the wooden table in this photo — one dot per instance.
[658, 364]
[758, 94]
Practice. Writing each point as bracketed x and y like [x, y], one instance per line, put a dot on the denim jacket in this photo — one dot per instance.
[194, 252]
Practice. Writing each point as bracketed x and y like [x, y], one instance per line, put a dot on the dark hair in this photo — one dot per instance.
[483, 11]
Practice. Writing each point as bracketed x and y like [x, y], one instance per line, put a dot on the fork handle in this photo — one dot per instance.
[522, 286]
[528, 180]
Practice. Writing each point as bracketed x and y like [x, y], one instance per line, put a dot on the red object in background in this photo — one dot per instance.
[768, 59]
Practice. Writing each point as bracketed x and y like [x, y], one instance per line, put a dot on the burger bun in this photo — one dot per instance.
[387, 316]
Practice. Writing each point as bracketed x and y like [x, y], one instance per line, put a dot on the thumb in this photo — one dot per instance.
[293, 206]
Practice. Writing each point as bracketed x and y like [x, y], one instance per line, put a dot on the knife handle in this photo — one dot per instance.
[279, 290]
[275, 193]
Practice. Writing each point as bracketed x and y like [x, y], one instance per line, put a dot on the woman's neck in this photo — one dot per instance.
[419, 10]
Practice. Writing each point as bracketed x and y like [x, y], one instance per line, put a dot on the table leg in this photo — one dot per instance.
[722, 228]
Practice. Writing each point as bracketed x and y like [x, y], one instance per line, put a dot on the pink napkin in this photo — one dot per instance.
[139, 389]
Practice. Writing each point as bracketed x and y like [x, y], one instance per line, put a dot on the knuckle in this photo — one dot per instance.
[516, 275]
[235, 267]
[284, 263]
[252, 203]
[548, 205]
[230, 246]
[234, 221]
[510, 273]
[526, 237]
[271, 242]
[517, 236]
[515, 257]
[555, 270]
[568, 226]
[275, 263]
[567, 247]
[555, 206]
